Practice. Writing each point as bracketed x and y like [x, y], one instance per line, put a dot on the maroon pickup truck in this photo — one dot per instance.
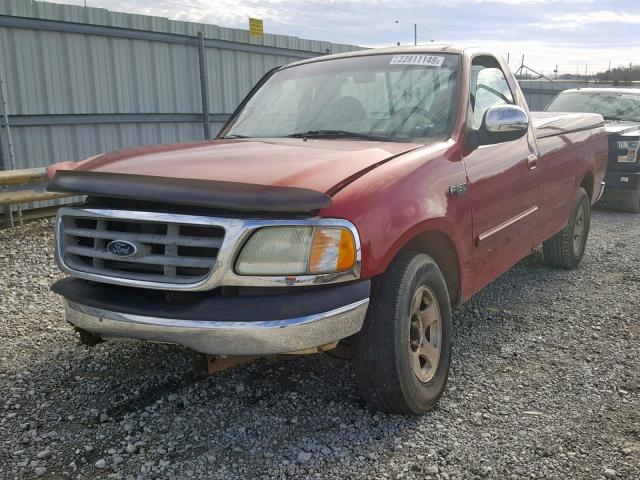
[351, 198]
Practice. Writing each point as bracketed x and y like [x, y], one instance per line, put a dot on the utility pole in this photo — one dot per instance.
[609, 65]
[415, 34]
[521, 69]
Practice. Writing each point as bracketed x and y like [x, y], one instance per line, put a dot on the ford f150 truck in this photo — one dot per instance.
[620, 108]
[358, 196]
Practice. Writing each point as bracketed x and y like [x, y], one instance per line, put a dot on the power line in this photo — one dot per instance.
[367, 39]
[406, 34]
[361, 14]
[332, 20]
[296, 13]
[332, 32]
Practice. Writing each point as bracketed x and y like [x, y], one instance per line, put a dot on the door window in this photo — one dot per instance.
[489, 87]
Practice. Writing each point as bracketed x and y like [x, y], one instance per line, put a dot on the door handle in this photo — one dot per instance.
[532, 161]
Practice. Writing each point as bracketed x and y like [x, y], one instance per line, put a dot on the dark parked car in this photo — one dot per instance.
[620, 108]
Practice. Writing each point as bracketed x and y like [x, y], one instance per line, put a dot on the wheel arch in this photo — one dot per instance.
[439, 246]
[588, 183]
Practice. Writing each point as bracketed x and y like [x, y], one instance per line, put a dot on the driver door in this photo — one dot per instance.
[503, 184]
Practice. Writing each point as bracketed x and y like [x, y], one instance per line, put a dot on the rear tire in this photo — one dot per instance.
[566, 248]
[631, 202]
[403, 352]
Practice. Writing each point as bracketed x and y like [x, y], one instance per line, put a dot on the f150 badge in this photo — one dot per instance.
[122, 248]
[459, 190]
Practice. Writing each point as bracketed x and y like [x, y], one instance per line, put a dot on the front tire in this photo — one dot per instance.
[403, 352]
[566, 248]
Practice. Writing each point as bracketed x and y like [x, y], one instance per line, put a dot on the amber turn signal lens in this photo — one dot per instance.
[332, 250]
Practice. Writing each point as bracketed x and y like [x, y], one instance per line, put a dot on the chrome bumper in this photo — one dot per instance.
[224, 338]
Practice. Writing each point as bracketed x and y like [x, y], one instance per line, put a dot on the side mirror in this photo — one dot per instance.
[503, 123]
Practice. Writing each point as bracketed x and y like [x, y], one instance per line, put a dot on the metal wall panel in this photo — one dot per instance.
[43, 145]
[64, 73]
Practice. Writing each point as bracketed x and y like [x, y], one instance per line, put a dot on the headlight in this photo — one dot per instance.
[628, 151]
[297, 251]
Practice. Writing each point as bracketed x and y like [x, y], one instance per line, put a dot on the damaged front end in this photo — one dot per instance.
[218, 280]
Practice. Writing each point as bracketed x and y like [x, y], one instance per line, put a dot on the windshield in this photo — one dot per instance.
[380, 97]
[616, 106]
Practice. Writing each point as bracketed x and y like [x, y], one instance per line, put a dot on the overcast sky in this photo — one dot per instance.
[570, 33]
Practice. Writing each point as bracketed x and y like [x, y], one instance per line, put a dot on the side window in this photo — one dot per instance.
[489, 87]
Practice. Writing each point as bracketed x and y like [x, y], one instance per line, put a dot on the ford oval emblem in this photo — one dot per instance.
[122, 248]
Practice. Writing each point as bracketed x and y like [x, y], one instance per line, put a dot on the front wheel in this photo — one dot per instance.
[402, 354]
[566, 248]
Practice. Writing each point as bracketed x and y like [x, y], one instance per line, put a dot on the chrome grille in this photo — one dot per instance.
[167, 252]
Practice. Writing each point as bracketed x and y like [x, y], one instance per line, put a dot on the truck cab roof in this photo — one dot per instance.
[430, 48]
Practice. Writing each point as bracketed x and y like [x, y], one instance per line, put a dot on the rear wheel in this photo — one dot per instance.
[566, 248]
[402, 354]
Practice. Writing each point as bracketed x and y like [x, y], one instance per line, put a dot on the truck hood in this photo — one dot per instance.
[620, 128]
[315, 164]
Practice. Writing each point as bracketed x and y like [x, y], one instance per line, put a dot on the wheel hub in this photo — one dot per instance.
[425, 333]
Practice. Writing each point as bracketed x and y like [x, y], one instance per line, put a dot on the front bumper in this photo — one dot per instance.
[251, 325]
[228, 338]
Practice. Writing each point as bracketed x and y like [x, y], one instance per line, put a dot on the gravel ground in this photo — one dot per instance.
[545, 384]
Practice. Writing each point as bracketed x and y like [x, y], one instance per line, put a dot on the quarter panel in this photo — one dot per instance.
[557, 167]
[564, 162]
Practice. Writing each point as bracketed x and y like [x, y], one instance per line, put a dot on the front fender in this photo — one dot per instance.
[403, 198]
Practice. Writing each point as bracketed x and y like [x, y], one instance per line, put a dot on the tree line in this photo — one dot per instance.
[620, 75]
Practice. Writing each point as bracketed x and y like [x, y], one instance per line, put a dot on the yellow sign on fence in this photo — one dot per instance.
[256, 27]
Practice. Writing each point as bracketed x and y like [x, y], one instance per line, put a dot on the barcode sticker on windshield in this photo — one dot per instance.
[426, 60]
[631, 97]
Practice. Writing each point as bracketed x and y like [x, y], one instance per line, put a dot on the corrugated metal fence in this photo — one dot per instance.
[81, 81]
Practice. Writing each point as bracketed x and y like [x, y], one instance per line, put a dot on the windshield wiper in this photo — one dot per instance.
[235, 136]
[336, 133]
